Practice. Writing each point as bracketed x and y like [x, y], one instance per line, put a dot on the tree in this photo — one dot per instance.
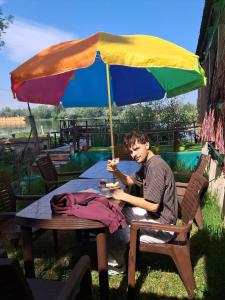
[57, 111]
[4, 24]
[189, 113]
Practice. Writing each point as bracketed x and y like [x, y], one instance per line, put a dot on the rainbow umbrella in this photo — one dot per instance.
[102, 68]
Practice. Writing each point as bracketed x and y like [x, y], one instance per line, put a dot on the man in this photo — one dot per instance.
[158, 202]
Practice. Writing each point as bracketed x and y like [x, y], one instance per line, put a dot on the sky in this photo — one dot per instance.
[41, 23]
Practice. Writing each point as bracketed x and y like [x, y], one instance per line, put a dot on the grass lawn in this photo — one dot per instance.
[156, 275]
[187, 147]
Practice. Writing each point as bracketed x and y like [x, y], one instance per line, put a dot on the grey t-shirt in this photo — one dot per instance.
[157, 180]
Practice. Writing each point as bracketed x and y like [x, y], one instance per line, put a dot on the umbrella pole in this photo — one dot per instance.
[110, 111]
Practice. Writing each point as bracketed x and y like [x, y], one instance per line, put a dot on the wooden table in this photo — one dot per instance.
[39, 215]
[99, 171]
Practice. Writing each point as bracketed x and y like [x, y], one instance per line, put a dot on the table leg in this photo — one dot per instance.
[27, 251]
[102, 264]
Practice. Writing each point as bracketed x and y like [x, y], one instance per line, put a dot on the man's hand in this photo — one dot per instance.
[124, 178]
[118, 194]
[112, 165]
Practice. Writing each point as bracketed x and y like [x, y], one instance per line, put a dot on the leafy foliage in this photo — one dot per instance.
[4, 24]
[9, 112]
[164, 112]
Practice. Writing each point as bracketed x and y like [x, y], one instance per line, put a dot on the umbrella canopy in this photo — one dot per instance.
[142, 68]
[103, 67]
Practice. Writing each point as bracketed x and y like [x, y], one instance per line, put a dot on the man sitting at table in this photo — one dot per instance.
[157, 203]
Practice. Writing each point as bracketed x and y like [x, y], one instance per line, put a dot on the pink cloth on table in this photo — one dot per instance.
[89, 206]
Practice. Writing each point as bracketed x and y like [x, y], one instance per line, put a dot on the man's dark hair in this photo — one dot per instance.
[135, 136]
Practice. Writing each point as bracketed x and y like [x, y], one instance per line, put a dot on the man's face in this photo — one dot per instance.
[139, 152]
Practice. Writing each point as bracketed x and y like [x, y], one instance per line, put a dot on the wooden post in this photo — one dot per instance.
[175, 140]
[34, 131]
[34, 134]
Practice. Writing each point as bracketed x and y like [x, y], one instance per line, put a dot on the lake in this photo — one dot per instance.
[43, 126]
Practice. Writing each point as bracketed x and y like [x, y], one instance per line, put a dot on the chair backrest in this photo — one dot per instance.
[13, 284]
[7, 196]
[189, 205]
[203, 162]
[47, 168]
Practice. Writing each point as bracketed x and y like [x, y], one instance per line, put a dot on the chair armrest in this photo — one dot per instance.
[136, 225]
[28, 197]
[73, 284]
[69, 173]
[180, 231]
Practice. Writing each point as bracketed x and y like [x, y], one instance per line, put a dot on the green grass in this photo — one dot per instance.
[22, 134]
[177, 166]
[156, 275]
[193, 147]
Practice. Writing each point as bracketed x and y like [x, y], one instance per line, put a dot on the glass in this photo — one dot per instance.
[116, 160]
[102, 183]
[105, 192]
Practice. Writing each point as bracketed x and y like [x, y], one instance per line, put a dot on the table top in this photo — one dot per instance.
[99, 171]
[39, 214]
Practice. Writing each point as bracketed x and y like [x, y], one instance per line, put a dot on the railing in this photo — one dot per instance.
[95, 132]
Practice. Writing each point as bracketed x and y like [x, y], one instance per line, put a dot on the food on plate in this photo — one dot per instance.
[113, 185]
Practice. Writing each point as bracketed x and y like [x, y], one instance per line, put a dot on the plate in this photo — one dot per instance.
[106, 193]
[113, 188]
[108, 196]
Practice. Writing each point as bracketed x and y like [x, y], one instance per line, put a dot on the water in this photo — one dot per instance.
[43, 126]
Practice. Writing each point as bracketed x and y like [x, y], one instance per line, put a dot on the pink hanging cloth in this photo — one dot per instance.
[203, 133]
[211, 128]
[219, 140]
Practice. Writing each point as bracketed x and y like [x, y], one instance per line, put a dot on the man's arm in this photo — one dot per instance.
[124, 178]
[135, 201]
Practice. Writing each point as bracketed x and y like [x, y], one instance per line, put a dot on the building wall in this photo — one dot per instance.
[217, 182]
[211, 62]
